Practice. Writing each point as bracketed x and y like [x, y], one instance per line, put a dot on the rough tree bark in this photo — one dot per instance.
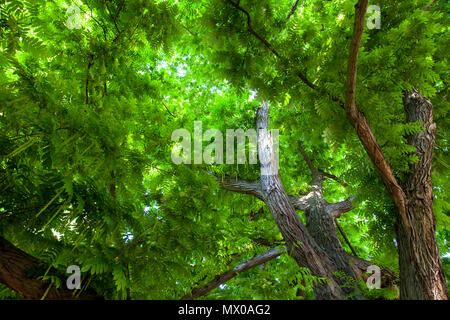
[415, 258]
[315, 246]
[425, 278]
[422, 276]
[301, 246]
[15, 265]
[320, 221]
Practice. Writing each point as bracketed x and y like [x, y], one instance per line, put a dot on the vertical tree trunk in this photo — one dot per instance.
[421, 272]
[320, 217]
[321, 227]
[300, 245]
[315, 246]
[422, 276]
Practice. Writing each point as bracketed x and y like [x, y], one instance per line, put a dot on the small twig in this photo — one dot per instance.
[167, 109]
[114, 20]
[345, 237]
[250, 29]
[293, 9]
[120, 9]
[135, 28]
[429, 6]
[96, 21]
[165, 171]
[299, 74]
[306, 157]
[333, 177]
[188, 30]
[254, 214]
[91, 62]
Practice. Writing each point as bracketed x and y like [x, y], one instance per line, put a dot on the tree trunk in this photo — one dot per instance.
[300, 245]
[316, 246]
[430, 279]
[321, 227]
[421, 272]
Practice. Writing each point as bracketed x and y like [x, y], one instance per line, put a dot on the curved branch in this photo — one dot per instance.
[250, 29]
[167, 109]
[301, 75]
[358, 27]
[114, 19]
[359, 121]
[14, 273]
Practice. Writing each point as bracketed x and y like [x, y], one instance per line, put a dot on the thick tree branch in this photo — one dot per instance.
[254, 188]
[15, 265]
[301, 246]
[421, 272]
[240, 186]
[358, 27]
[359, 265]
[242, 267]
[299, 203]
[359, 120]
[337, 209]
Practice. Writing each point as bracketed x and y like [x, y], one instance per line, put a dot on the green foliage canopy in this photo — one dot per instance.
[86, 117]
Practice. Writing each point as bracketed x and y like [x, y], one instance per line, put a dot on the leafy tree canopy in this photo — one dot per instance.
[87, 115]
